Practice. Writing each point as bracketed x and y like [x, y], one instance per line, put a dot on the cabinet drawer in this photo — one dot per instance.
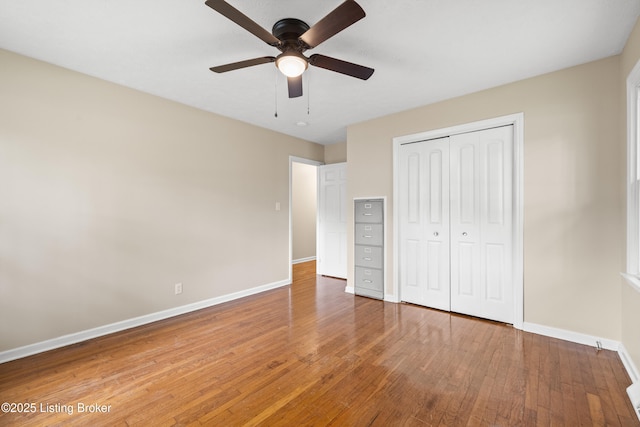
[369, 234]
[370, 293]
[368, 256]
[369, 278]
[368, 211]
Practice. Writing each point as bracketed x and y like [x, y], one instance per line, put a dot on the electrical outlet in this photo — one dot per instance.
[178, 288]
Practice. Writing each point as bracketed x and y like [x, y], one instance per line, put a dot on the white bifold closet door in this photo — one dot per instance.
[424, 223]
[455, 218]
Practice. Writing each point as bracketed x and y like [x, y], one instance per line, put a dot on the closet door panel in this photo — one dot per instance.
[411, 270]
[411, 223]
[465, 212]
[464, 194]
[481, 229]
[436, 231]
[497, 224]
[437, 277]
[424, 219]
[436, 171]
[494, 272]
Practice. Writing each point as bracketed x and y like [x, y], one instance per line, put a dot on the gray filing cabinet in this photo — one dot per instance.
[369, 247]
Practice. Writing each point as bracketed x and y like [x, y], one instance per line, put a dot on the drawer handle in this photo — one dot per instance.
[367, 281]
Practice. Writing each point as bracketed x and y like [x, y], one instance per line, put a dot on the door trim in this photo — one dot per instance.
[517, 120]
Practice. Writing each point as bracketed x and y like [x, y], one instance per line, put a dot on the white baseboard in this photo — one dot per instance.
[31, 349]
[391, 298]
[571, 336]
[631, 368]
[301, 260]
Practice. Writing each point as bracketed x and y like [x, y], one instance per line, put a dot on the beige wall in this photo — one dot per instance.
[110, 196]
[335, 153]
[572, 196]
[630, 298]
[304, 183]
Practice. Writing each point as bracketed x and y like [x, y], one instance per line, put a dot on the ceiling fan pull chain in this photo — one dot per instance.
[308, 92]
[276, 95]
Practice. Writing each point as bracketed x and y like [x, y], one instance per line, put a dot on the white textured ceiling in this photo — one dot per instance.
[423, 51]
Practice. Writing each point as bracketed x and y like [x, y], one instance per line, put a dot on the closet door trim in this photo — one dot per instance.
[517, 120]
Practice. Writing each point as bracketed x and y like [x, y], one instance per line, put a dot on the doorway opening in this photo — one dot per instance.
[303, 197]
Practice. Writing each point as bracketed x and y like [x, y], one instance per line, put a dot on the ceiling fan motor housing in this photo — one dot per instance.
[288, 30]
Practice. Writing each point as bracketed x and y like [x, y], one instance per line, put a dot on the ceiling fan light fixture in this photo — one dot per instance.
[293, 37]
[291, 64]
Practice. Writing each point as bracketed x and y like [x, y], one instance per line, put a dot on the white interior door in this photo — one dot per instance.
[481, 223]
[455, 217]
[331, 257]
[424, 223]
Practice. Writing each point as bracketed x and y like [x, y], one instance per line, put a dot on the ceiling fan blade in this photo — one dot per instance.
[230, 12]
[340, 18]
[340, 66]
[295, 86]
[242, 64]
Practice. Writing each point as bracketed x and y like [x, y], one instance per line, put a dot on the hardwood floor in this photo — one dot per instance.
[310, 354]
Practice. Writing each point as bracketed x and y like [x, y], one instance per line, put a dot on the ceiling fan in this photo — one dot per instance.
[293, 37]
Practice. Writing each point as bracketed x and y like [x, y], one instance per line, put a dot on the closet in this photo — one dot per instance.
[456, 223]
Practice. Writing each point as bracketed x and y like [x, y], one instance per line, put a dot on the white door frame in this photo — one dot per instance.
[292, 160]
[517, 120]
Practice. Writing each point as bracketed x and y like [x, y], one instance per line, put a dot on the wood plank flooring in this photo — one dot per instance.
[310, 354]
